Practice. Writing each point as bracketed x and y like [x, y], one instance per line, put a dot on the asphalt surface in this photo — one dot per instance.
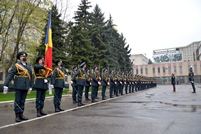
[151, 111]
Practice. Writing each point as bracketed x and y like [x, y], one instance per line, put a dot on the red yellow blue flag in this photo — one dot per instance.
[48, 45]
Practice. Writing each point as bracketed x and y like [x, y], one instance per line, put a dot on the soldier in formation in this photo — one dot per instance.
[22, 74]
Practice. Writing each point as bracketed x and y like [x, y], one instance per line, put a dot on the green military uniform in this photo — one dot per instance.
[74, 86]
[41, 85]
[87, 85]
[22, 82]
[112, 83]
[59, 84]
[191, 79]
[94, 85]
[104, 81]
[81, 80]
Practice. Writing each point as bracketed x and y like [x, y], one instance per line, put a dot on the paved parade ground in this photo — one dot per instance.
[152, 111]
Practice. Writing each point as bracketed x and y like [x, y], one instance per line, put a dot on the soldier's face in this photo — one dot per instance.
[84, 66]
[41, 61]
[22, 58]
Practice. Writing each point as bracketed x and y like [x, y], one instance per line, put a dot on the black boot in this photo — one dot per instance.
[103, 98]
[38, 113]
[87, 99]
[56, 108]
[60, 108]
[42, 113]
[80, 104]
[17, 119]
[22, 117]
[74, 101]
[93, 100]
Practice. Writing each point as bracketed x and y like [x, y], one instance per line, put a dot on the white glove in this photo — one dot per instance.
[115, 82]
[192, 81]
[124, 82]
[5, 89]
[30, 89]
[99, 83]
[52, 86]
[71, 82]
[45, 81]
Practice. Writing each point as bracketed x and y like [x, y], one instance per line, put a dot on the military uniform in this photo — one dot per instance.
[58, 84]
[173, 82]
[104, 81]
[41, 85]
[94, 85]
[87, 85]
[81, 80]
[74, 86]
[191, 79]
[22, 83]
[112, 84]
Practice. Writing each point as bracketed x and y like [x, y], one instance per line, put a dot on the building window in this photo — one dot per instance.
[146, 71]
[141, 71]
[136, 71]
[175, 69]
[158, 69]
[169, 69]
[195, 67]
[1, 76]
[153, 70]
[180, 68]
[163, 69]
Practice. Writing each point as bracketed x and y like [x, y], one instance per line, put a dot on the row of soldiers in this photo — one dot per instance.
[117, 81]
[81, 78]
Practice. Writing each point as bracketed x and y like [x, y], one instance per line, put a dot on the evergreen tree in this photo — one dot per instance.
[150, 62]
[96, 30]
[80, 48]
[58, 38]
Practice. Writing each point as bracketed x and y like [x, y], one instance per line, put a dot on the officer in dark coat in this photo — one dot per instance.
[58, 84]
[74, 86]
[81, 80]
[94, 84]
[104, 83]
[191, 79]
[22, 83]
[173, 82]
[41, 84]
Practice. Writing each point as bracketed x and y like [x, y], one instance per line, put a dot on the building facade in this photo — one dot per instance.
[198, 53]
[139, 59]
[162, 71]
[185, 53]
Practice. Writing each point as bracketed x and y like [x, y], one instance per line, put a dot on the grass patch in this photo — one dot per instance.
[11, 95]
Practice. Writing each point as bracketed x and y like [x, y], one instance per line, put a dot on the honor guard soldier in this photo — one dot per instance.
[41, 85]
[112, 83]
[104, 83]
[22, 83]
[81, 80]
[191, 79]
[74, 86]
[94, 84]
[87, 85]
[58, 84]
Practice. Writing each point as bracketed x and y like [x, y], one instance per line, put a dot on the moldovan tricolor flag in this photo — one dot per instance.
[48, 50]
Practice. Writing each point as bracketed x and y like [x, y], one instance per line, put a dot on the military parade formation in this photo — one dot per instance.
[119, 83]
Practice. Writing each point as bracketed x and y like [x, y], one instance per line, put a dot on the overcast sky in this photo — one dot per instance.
[153, 24]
